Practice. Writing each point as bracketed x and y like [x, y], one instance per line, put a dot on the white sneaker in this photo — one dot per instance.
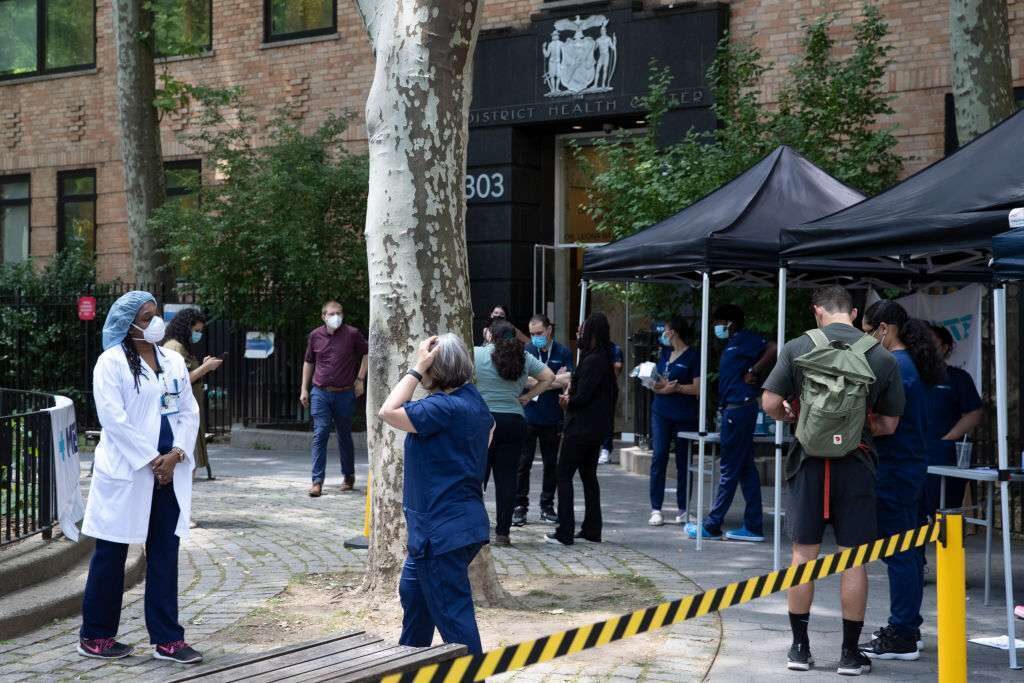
[656, 518]
[681, 518]
[603, 458]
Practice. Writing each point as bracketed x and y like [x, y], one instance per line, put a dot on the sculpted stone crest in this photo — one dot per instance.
[583, 63]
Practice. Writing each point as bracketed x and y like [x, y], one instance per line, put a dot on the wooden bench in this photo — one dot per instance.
[349, 657]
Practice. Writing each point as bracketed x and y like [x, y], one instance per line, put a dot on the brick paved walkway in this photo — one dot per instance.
[258, 530]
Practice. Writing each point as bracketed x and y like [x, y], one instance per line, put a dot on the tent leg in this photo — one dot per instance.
[779, 425]
[583, 315]
[1002, 430]
[705, 294]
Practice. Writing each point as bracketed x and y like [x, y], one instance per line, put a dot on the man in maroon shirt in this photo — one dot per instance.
[336, 365]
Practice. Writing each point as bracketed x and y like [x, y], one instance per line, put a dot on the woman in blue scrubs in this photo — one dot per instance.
[955, 409]
[445, 463]
[902, 468]
[673, 410]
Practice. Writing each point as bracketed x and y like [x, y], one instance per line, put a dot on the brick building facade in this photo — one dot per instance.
[61, 122]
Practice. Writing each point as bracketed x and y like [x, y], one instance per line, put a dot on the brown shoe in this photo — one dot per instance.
[503, 541]
[348, 484]
[315, 490]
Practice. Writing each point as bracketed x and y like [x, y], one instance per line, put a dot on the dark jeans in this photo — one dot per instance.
[899, 499]
[435, 593]
[503, 462]
[579, 453]
[104, 589]
[663, 435]
[738, 469]
[549, 436]
[332, 408]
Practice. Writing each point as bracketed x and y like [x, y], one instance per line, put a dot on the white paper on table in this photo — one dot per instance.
[999, 642]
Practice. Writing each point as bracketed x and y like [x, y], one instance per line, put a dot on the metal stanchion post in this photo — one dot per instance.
[363, 542]
[951, 593]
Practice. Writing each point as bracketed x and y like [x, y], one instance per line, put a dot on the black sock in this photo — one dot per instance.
[851, 633]
[799, 622]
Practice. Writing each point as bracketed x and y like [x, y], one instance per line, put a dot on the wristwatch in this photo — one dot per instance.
[412, 371]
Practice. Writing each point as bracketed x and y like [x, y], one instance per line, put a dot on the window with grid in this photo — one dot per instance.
[46, 36]
[15, 208]
[76, 208]
[183, 180]
[182, 27]
[288, 19]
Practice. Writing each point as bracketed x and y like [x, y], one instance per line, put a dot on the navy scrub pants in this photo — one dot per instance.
[738, 469]
[898, 498]
[435, 593]
[663, 435]
[104, 589]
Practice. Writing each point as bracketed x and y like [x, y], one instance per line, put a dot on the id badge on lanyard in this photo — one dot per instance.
[169, 399]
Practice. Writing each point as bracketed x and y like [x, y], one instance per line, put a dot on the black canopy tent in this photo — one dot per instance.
[732, 233]
[938, 227]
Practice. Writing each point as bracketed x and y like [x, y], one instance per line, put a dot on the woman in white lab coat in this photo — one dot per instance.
[141, 488]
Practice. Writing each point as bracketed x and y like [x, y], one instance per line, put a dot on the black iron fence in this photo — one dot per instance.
[28, 486]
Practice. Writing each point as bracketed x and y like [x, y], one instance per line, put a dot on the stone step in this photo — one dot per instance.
[286, 440]
[57, 597]
[36, 559]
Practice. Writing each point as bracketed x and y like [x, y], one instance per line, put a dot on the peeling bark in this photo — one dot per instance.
[982, 81]
[140, 136]
[417, 129]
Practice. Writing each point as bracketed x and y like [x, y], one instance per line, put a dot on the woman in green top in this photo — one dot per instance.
[184, 330]
[502, 369]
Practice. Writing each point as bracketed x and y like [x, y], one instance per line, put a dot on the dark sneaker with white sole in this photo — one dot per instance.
[890, 645]
[519, 517]
[549, 516]
[103, 648]
[179, 651]
[891, 630]
[853, 663]
[800, 658]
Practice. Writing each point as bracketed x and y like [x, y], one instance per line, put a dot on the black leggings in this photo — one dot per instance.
[503, 462]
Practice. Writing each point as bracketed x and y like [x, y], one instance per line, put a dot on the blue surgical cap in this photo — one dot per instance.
[121, 316]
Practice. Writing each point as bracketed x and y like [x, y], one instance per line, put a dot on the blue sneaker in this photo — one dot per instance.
[742, 534]
[691, 532]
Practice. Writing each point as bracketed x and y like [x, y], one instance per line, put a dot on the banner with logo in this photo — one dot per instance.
[960, 313]
[67, 470]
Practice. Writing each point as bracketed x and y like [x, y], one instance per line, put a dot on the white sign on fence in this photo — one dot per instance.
[67, 470]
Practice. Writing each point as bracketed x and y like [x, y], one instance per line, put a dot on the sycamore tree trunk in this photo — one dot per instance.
[417, 130]
[982, 82]
[140, 136]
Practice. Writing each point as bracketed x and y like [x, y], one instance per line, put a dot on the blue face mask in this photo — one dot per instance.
[665, 341]
[722, 331]
[196, 337]
[539, 340]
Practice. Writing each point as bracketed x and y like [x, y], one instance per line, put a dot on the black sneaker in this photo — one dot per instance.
[890, 645]
[549, 516]
[519, 517]
[800, 658]
[553, 538]
[889, 629]
[581, 537]
[853, 663]
[103, 648]
[179, 651]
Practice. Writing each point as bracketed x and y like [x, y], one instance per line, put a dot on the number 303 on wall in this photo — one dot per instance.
[485, 186]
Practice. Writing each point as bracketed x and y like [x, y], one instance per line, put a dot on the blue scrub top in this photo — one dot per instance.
[545, 411]
[684, 369]
[445, 463]
[947, 403]
[742, 350]
[906, 449]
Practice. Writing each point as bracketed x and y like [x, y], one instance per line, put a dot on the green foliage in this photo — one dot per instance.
[180, 27]
[282, 233]
[828, 110]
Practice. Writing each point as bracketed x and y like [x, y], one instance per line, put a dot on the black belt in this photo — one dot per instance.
[731, 406]
[336, 390]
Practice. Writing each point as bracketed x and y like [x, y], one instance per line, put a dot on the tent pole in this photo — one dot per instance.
[705, 295]
[999, 317]
[779, 426]
[583, 315]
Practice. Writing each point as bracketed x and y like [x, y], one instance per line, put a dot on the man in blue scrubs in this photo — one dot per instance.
[543, 422]
[746, 358]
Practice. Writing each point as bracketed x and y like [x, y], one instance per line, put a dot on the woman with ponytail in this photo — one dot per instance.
[902, 470]
[503, 368]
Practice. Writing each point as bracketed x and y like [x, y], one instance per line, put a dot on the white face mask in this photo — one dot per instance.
[154, 332]
[334, 321]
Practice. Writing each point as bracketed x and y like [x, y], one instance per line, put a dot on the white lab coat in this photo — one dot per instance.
[121, 492]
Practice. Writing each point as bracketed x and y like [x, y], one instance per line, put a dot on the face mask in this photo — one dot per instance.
[539, 340]
[154, 333]
[722, 331]
[196, 336]
[334, 321]
[665, 341]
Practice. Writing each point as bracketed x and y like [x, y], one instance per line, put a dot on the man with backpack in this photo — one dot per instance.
[841, 388]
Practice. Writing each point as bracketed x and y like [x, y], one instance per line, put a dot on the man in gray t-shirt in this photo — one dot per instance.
[838, 491]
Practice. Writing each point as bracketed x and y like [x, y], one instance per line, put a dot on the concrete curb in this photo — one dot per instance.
[284, 439]
[56, 598]
[36, 560]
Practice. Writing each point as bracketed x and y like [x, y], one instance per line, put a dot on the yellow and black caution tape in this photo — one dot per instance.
[502, 659]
